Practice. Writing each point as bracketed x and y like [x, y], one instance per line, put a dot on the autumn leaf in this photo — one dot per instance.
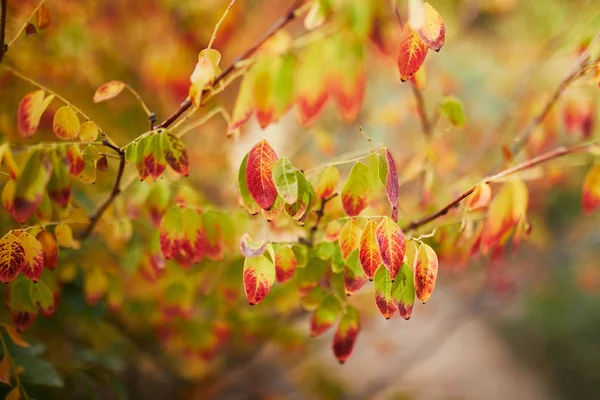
[12, 257]
[258, 276]
[15, 336]
[276, 209]
[332, 231]
[88, 132]
[300, 210]
[312, 92]
[403, 291]
[31, 185]
[325, 316]
[285, 264]
[90, 158]
[390, 240]
[392, 187]
[354, 276]
[328, 181]
[426, 270]
[251, 248]
[76, 161]
[356, 192]
[369, 256]
[43, 17]
[412, 53]
[259, 176]
[95, 284]
[346, 333]
[152, 161]
[171, 232]
[7, 159]
[480, 197]
[175, 153]
[192, 241]
[64, 235]
[349, 237]
[432, 29]
[248, 202]
[108, 91]
[590, 196]
[49, 249]
[286, 180]
[34, 256]
[453, 109]
[59, 185]
[30, 111]
[5, 370]
[383, 292]
[158, 201]
[66, 124]
[244, 103]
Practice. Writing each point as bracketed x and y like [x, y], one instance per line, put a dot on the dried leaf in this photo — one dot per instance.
[392, 187]
[432, 30]
[108, 91]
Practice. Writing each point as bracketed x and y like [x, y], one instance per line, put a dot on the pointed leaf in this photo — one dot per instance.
[346, 334]
[354, 276]
[12, 257]
[349, 237]
[66, 124]
[392, 187]
[383, 292]
[432, 30]
[325, 316]
[286, 180]
[369, 256]
[426, 270]
[328, 182]
[412, 53]
[34, 256]
[356, 192]
[403, 291]
[259, 276]
[30, 111]
[390, 240]
[175, 153]
[259, 177]
[285, 264]
[108, 91]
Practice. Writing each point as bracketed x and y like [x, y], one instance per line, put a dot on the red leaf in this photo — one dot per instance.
[369, 256]
[346, 334]
[412, 53]
[392, 187]
[12, 257]
[259, 177]
[390, 240]
[590, 196]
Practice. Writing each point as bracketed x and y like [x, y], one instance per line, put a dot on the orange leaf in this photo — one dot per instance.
[43, 17]
[349, 237]
[5, 370]
[15, 336]
[432, 31]
[426, 270]
[259, 176]
[480, 197]
[590, 196]
[30, 110]
[285, 264]
[390, 240]
[49, 248]
[108, 91]
[412, 53]
[368, 254]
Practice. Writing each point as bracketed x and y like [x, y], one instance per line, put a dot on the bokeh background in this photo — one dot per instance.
[524, 327]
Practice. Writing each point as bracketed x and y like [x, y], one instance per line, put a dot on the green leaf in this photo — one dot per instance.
[41, 295]
[383, 292]
[354, 276]
[38, 371]
[90, 157]
[325, 316]
[356, 192]
[175, 153]
[131, 152]
[300, 210]
[286, 180]
[453, 109]
[59, 186]
[249, 203]
[403, 291]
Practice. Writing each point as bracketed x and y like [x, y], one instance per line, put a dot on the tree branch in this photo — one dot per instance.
[313, 229]
[3, 11]
[551, 155]
[291, 15]
[425, 123]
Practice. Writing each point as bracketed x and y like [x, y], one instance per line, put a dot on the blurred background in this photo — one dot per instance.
[525, 326]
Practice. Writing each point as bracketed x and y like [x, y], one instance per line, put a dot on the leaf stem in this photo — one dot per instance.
[218, 25]
[140, 100]
[22, 29]
[342, 162]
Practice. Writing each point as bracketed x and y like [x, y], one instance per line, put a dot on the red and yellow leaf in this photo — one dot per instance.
[369, 256]
[355, 194]
[244, 103]
[34, 256]
[259, 175]
[349, 237]
[88, 132]
[328, 182]
[590, 196]
[285, 264]
[66, 124]
[392, 187]
[175, 153]
[480, 198]
[426, 270]
[432, 30]
[412, 53]
[354, 276]
[382, 285]
[76, 161]
[403, 291]
[108, 91]
[332, 232]
[259, 276]
[30, 111]
[312, 91]
[390, 240]
[325, 316]
[346, 334]
[12, 257]
[49, 249]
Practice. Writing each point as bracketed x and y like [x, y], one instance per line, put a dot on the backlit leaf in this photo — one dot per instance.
[276, 209]
[432, 31]
[175, 153]
[383, 292]
[76, 161]
[7, 159]
[43, 17]
[258, 276]
[312, 91]
[354, 276]
[108, 91]
[171, 232]
[153, 162]
[325, 316]
[31, 185]
[346, 334]
[251, 206]
[66, 124]
[88, 132]
[64, 235]
[259, 177]
[15, 336]
[426, 270]
[347, 75]
[42, 296]
[95, 284]
[590, 196]
[355, 194]
[158, 201]
[392, 187]
[30, 111]
[328, 182]
[349, 237]
[412, 53]
[90, 158]
[192, 243]
[332, 232]
[285, 264]
[244, 103]
[49, 248]
[403, 291]
[453, 109]
[369, 256]
[34, 256]
[12, 257]
[286, 180]
[390, 240]
[251, 248]
[300, 210]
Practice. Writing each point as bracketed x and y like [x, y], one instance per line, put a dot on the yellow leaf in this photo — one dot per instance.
[88, 132]
[15, 336]
[5, 370]
[108, 91]
[66, 123]
[64, 235]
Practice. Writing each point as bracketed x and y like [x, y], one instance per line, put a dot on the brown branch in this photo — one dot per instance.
[313, 229]
[425, 123]
[281, 23]
[116, 190]
[3, 11]
[551, 155]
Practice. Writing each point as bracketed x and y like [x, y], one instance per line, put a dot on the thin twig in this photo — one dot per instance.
[22, 29]
[315, 227]
[551, 155]
[3, 11]
[291, 15]
[425, 123]
[139, 99]
[218, 25]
